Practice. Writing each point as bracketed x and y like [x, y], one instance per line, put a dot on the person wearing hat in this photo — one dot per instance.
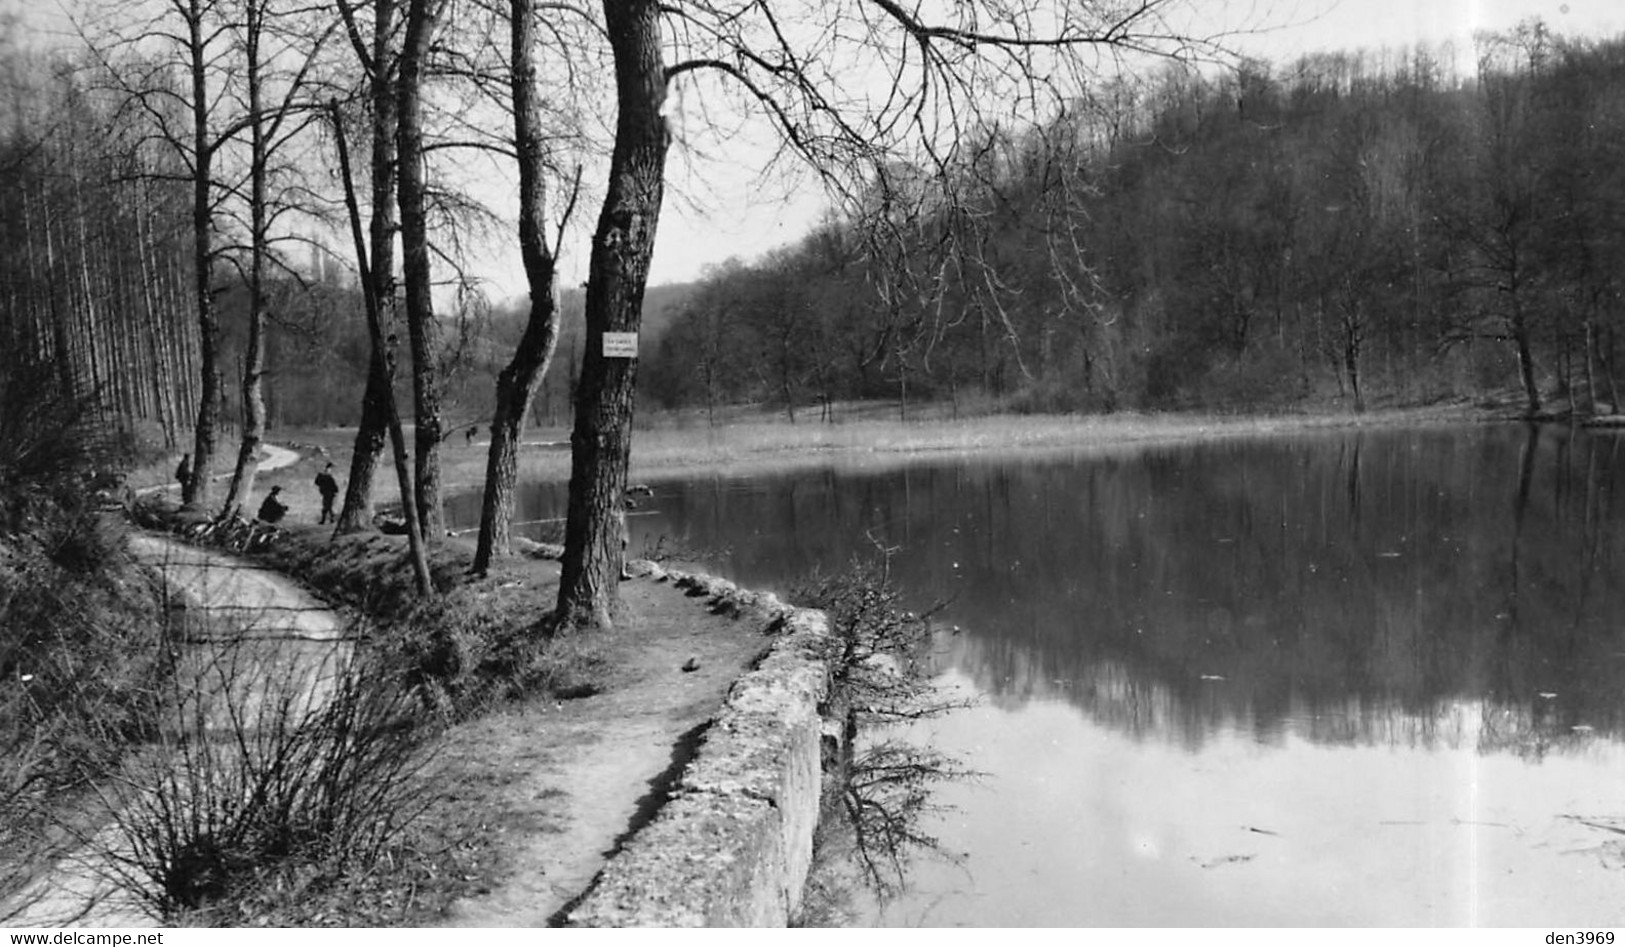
[329, 489]
[273, 509]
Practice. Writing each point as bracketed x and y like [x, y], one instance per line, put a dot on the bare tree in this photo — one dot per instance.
[517, 383]
[199, 37]
[422, 17]
[853, 87]
[378, 59]
[1505, 187]
[424, 86]
[269, 132]
[196, 32]
[382, 349]
[622, 247]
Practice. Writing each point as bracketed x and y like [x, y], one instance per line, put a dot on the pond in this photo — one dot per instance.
[1351, 678]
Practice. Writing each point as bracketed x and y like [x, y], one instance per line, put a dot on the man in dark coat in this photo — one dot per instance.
[273, 509]
[183, 470]
[329, 489]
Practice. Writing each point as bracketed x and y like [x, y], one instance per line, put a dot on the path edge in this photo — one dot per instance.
[733, 844]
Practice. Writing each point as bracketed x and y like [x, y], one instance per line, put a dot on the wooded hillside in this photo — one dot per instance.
[1350, 226]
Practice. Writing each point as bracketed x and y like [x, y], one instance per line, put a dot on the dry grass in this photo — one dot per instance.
[681, 446]
[478, 640]
[747, 441]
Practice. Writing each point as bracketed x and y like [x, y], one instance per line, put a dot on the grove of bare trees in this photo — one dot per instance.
[97, 259]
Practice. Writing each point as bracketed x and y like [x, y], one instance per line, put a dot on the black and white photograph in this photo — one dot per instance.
[1136, 466]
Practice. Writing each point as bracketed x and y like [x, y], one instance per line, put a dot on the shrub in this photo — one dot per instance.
[266, 774]
[54, 455]
[79, 626]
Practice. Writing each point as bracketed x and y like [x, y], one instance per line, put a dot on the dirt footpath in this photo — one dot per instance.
[256, 633]
[265, 604]
[542, 790]
[560, 782]
[539, 793]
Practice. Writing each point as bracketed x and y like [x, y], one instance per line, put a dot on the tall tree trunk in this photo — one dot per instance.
[370, 436]
[93, 321]
[195, 493]
[1526, 359]
[1591, 364]
[182, 346]
[381, 349]
[902, 387]
[379, 278]
[600, 443]
[1353, 331]
[786, 387]
[241, 491]
[123, 309]
[516, 385]
[159, 314]
[182, 331]
[422, 327]
[152, 330]
[1607, 359]
[44, 283]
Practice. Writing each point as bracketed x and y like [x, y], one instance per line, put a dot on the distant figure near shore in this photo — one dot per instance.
[628, 503]
[329, 489]
[273, 509]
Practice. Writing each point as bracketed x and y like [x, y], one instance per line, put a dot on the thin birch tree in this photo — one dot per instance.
[272, 127]
[378, 57]
[519, 379]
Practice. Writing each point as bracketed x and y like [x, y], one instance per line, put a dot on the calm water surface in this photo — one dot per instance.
[1342, 679]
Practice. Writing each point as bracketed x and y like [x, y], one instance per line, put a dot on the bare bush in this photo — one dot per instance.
[266, 769]
[79, 629]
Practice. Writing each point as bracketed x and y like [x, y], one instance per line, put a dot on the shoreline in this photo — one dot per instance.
[671, 447]
[753, 446]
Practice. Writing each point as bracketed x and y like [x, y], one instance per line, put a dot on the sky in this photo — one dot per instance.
[736, 216]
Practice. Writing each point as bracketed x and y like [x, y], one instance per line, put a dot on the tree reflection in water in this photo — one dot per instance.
[884, 788]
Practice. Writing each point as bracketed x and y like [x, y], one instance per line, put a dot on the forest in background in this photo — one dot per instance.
[1352, 227]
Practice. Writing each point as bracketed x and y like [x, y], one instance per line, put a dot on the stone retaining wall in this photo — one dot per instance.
[733, 844]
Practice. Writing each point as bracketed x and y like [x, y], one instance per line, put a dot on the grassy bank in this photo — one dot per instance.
[81, 630]
[475, 642]
[473, 647]
[747, 441]
[81, 645]
[680, 446]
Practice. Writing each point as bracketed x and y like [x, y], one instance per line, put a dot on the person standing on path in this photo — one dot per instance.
[329, 489]
[183, 471]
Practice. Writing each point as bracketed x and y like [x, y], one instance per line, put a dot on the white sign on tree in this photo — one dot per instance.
[620, 345]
